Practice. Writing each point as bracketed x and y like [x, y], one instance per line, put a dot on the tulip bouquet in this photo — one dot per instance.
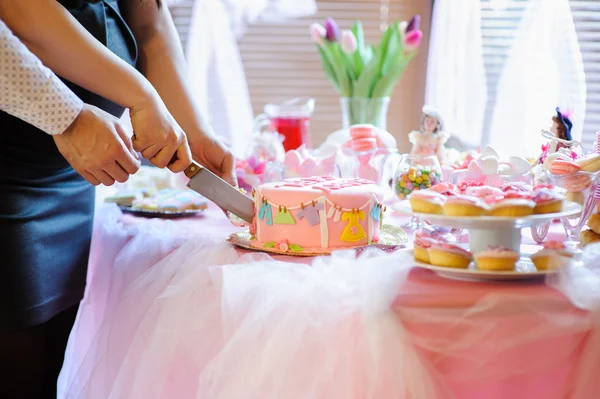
[365, 75]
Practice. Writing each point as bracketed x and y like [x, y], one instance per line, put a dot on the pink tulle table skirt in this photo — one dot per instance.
[172, 311]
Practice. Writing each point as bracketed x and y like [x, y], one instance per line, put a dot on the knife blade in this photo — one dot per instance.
[211, 186]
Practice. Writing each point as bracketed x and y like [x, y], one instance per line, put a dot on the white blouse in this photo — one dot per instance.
[32, 92]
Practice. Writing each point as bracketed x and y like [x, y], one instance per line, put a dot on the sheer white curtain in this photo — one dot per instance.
[543, 69]
[216, 71]
[456, 83]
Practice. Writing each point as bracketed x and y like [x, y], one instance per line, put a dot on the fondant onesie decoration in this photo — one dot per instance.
[311, 213]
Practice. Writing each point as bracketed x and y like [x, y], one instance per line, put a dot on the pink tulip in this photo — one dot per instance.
[318, 32]
[412, 40]
[348, 42]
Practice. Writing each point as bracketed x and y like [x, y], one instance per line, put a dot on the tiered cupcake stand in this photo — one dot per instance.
[487, 231]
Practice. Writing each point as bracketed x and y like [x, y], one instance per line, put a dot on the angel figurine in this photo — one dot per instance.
[430, 138]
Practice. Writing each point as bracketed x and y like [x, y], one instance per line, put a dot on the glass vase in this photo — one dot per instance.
[358, 111]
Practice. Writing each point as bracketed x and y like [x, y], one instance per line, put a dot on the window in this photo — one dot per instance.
[282, 63]
[586, 15]
[500, 19]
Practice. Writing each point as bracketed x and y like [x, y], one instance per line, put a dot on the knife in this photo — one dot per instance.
[211, 186]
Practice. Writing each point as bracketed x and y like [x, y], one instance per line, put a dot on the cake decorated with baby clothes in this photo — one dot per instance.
[317, 214]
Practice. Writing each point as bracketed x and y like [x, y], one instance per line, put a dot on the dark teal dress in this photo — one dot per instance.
[46, 208]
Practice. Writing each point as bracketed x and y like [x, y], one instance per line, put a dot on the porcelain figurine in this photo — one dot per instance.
[430, 138]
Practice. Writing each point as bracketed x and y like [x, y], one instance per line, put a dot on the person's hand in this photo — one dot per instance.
[98, 147]
[209, 152]
[158, 136]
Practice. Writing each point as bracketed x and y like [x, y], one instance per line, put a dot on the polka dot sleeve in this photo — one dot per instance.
[32, 92]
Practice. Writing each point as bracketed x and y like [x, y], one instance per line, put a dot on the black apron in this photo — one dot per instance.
[46, 208]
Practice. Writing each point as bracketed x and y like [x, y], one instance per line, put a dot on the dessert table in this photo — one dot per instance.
[441, 338]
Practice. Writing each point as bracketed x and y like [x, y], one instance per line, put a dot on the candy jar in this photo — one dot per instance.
[416, 173]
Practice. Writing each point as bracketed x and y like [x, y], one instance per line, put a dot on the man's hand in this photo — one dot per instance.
[212, 154]
[158, 136]
[98, 147]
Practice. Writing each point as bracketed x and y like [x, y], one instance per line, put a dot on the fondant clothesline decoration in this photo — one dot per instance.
[302, 205]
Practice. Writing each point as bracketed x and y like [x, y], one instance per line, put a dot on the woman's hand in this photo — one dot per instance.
[213, 155]
[98, 147]
[158, 136]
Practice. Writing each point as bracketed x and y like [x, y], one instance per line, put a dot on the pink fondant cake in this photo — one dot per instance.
[317, 214]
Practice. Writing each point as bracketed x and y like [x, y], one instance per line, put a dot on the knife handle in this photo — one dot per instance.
[191, 170]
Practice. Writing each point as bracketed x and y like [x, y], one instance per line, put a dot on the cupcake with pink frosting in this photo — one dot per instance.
[553, 255]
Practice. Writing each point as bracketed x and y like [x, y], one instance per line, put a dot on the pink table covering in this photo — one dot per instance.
[526, 339]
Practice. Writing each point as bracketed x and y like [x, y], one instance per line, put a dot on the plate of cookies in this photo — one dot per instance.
[165, 203]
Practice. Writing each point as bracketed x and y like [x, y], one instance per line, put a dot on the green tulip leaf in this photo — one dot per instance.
[328, 68]
[269, 244]
[365, 83]
[385, 86]
[358, 56]
[394, 45]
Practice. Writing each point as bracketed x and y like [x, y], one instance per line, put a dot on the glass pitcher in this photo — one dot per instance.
[290, 119]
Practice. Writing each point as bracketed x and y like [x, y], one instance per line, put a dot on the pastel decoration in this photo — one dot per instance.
[265, 213]
[488, 151]
[284, 217]
[474, 172]
[376, 212]
[504, 169]
[293, 159]
[330, 212]
[353, 231]
[488, 165]
[520, 165]
[338, 213]
[302, 163]
[311, 213]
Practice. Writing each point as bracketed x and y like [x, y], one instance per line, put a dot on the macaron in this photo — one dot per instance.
[576, 183]
[361, 131]
[564, 167]
[589, 163]
[363, 144]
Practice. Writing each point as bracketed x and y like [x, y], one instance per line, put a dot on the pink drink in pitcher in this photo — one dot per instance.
[291, 120]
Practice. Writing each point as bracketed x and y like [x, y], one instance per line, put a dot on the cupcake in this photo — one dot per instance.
[427, 201]
[512, 208]
[449, 255]
[552, 256]
[547, 201]
[496, 259]
[428, 235]
[421, 249]
[463, 205]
